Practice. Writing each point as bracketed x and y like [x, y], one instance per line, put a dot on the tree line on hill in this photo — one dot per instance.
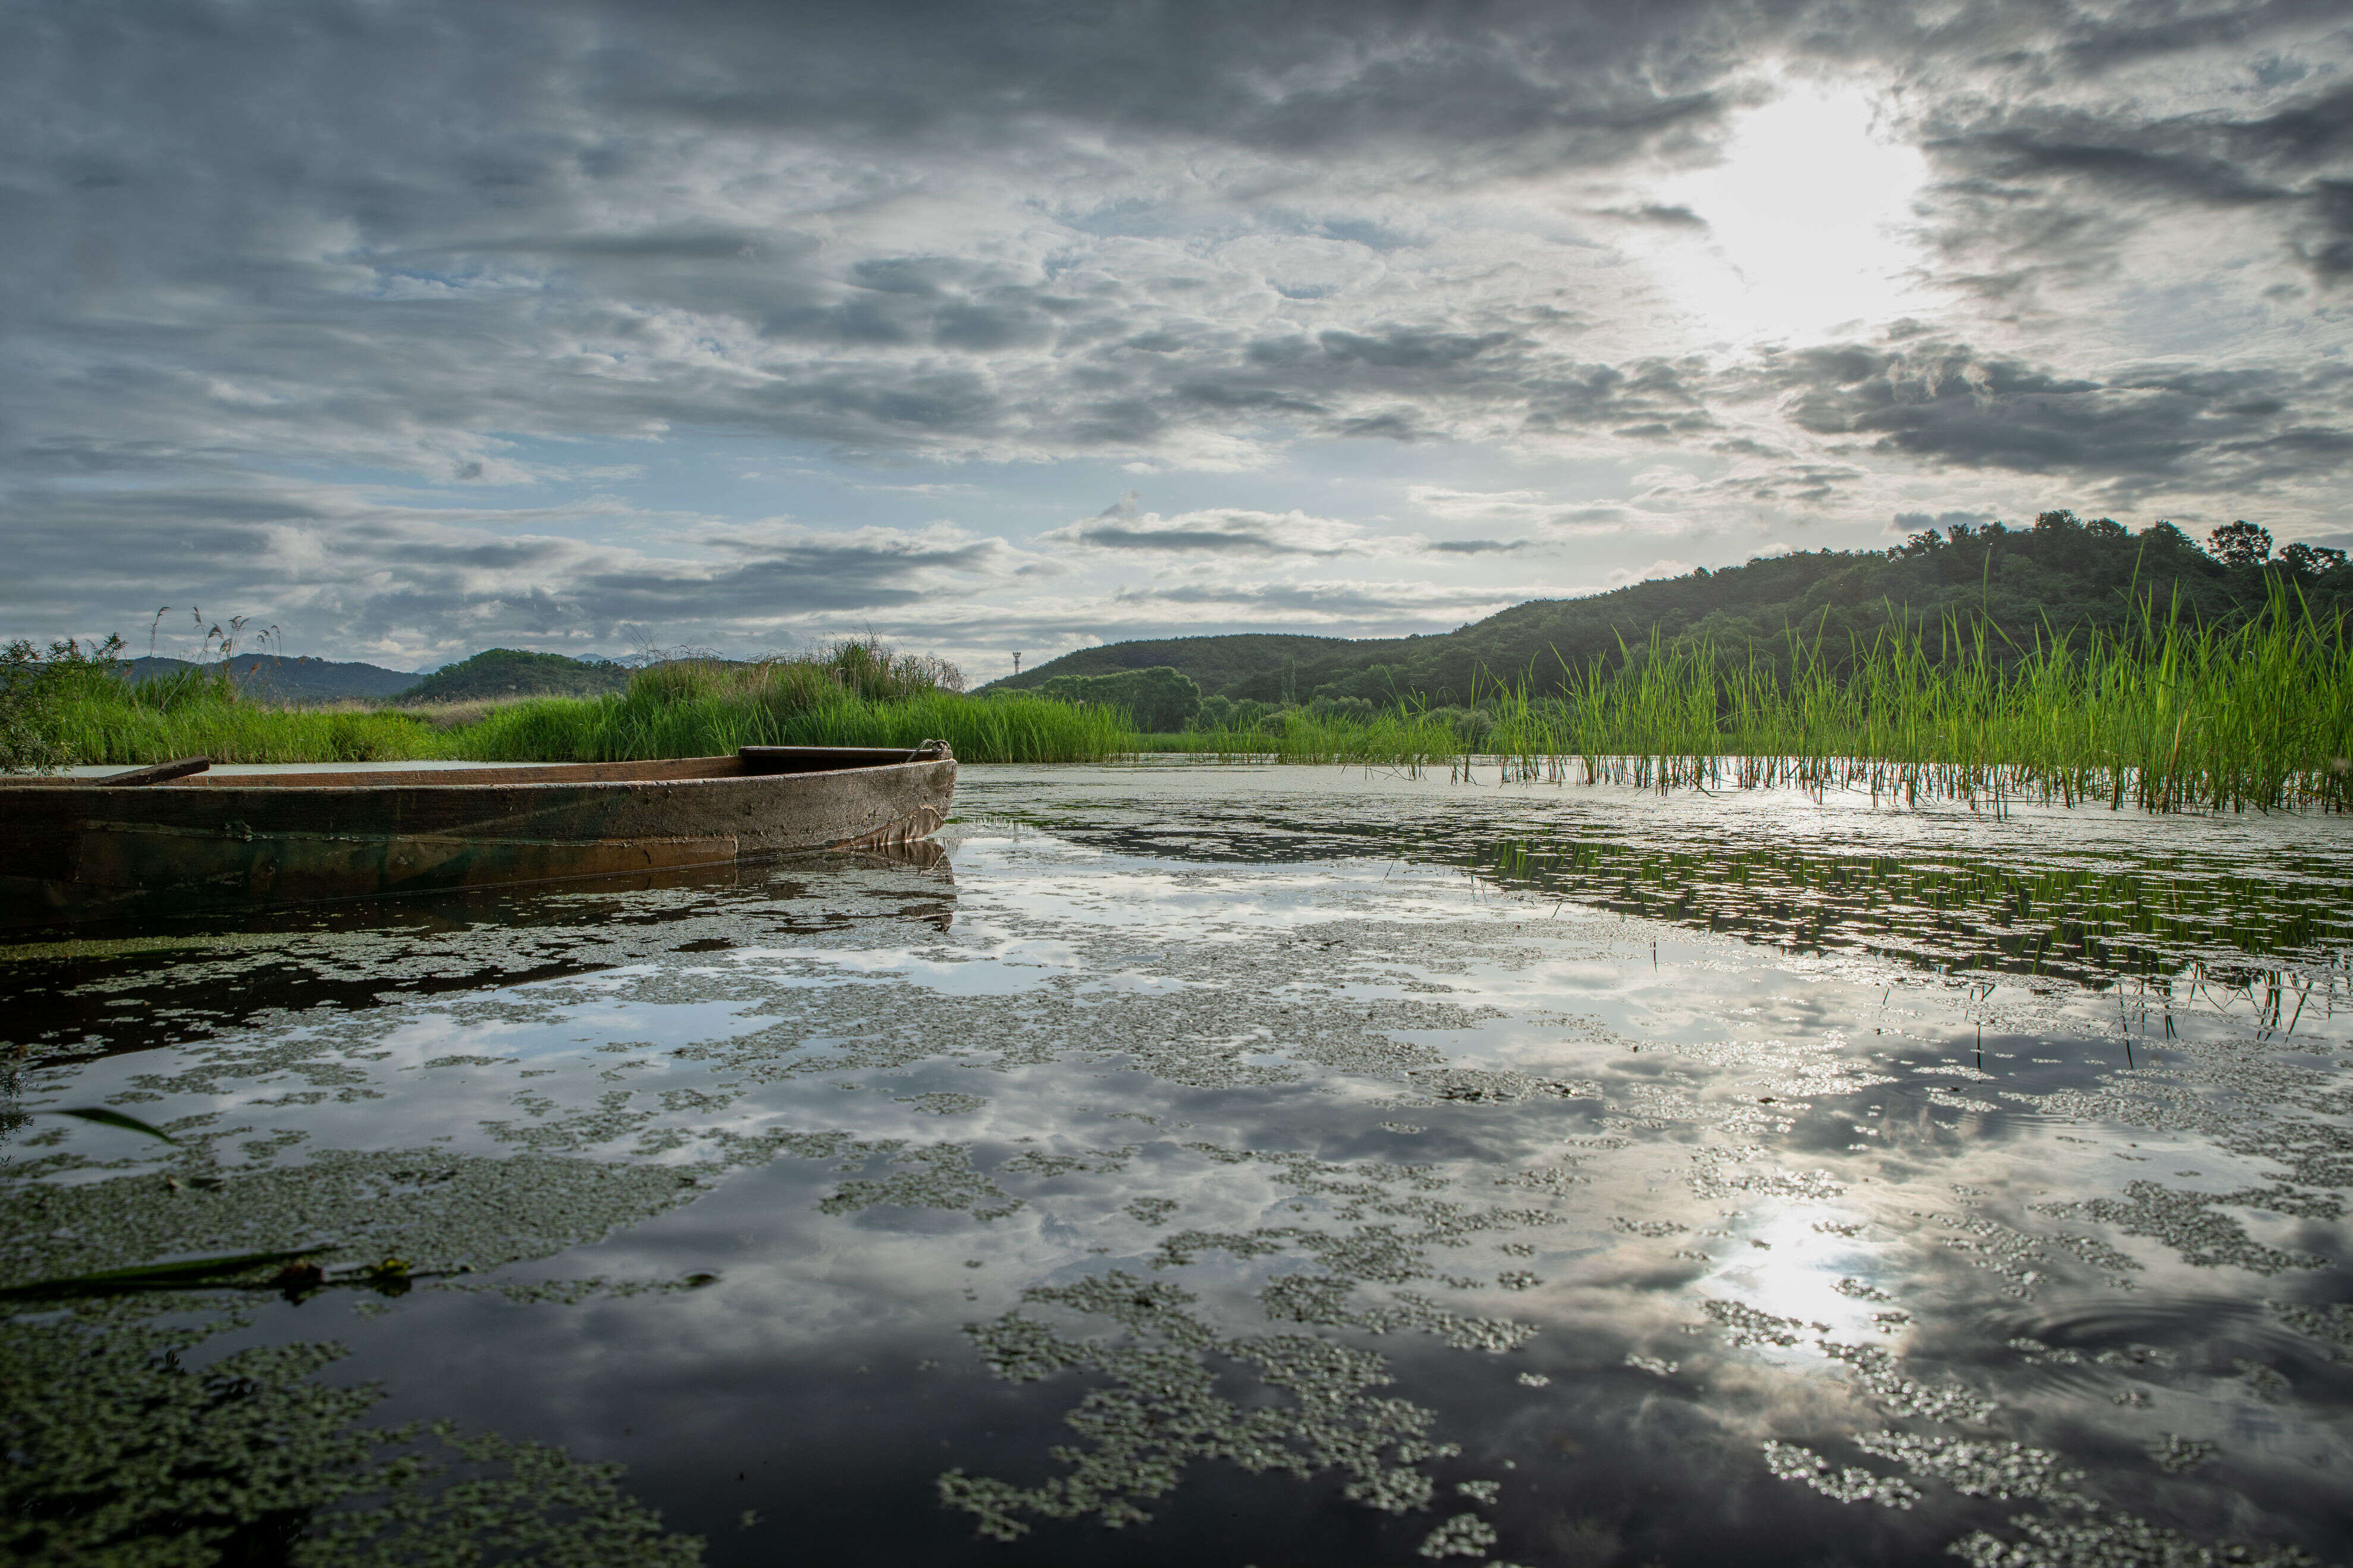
[2063, 576]
[503, 672]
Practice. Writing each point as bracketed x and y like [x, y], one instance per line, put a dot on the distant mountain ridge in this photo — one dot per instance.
[285, 678]
[492, 674]
[2063, 575]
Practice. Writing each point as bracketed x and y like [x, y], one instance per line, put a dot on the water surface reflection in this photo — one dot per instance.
[1286, 1166]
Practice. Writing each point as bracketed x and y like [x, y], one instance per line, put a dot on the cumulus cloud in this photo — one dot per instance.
[1327, 602]
[385, 322]
[1124, 526]
[2130, 431]
[1534, 508]
[2278, 170]
[1483, 546]
[405, 582]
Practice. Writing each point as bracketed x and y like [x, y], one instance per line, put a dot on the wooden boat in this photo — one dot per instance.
[173, 838]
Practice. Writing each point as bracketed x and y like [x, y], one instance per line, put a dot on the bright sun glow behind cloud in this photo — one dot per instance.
[1809, 222]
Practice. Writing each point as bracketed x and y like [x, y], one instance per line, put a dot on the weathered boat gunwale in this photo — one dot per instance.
[828, 759]
[72, 848]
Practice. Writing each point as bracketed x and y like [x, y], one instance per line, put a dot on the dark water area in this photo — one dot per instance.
[1272, 1166]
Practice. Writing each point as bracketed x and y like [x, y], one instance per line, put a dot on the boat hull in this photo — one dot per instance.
[72, 851]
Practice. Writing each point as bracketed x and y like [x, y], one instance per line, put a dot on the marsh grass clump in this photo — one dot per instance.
[854, 692]
[440, 716]
[76, 703]
[123, 725]
[71, 704]
[2167, 714]
[39, 691]
[877, 673]
[864, 669]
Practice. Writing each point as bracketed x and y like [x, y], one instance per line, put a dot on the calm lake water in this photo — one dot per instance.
[1277, 1166]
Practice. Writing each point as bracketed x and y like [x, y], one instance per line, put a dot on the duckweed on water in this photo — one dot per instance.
[939, 1177]
[1976, 1468]
[1743, 1324]
[1789, 1462]
[1760, 1156]
[1465, 1535]
[2104, 1538]
[2176, 1455]
[2062, 895]
[2186, 1221]
[2331, 1323]
[120, 1456]
[1875, 1372]
[440, 1211]
[1158, 1411]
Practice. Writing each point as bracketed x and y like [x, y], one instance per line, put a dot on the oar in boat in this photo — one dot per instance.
[158, 772]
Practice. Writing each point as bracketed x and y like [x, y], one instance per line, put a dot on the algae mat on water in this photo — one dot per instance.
[1286, 1167]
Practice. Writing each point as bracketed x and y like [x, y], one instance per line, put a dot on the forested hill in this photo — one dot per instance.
[503, 672]
[1213, 663]
[2061, 574]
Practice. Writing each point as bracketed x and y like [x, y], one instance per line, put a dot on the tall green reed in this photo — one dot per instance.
[2169, 715]
[102, 730]
[614, 728]
[853, 696]
[853, 693]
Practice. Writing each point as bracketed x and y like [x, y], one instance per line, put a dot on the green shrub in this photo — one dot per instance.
[38, 692]
[1475, 725]
[1160, 700]
[1343, 709]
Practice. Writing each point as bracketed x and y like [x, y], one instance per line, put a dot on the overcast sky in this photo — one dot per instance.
[418, 329]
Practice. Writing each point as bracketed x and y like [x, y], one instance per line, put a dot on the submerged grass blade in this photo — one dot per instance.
[105, 1117]
[157, 1275]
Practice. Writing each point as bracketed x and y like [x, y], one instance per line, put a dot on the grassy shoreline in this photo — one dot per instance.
[71, 707]
[583, 730]
[2166, 716]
